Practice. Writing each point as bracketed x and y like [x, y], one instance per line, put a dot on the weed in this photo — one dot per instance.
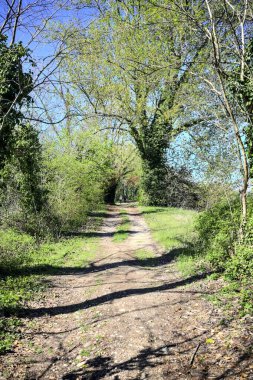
[85, 353]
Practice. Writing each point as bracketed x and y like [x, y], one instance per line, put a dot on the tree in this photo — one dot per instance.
[15, 87]
[129, 67]
[21, 190]
[83, 170]
[228, 27]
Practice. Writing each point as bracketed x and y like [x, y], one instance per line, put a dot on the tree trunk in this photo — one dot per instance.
[154, 184]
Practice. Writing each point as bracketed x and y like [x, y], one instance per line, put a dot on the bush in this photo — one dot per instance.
[169, 187]
[217, 230]
[240, 267]
[219, 244]
[15, 249]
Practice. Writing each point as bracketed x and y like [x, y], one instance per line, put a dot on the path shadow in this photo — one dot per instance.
[101, 214]
[106, 298]
[99, 234]
[102, 366]
[46, 269]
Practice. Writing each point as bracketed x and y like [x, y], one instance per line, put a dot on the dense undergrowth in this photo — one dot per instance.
[209, 242]
[24, 264]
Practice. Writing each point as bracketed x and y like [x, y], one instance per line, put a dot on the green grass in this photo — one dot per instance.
[170, 227]
[67, 253]
[145, 257]
[122, 231]
[173, 228]
[144, 254]
[23, 265]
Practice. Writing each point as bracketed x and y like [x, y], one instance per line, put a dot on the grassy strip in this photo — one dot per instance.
[26, 263]
[144, 254]
[170, 227]
[122, 231]
[173, 229]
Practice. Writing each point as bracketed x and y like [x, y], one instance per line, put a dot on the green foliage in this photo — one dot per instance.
[15, 249]
[8, 333]
[22, 194]
[219, 246]
[240, 270]
[241, 88]
[21, 190]
[154, 186]
[72, 189]
[240, 267]
[21, 257]
[15, 86]
[165, 186]
[81, 170]
[14, 292]
[134, 87]
[217, 230]
[190, 264]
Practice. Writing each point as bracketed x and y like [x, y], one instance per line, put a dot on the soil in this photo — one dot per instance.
[124, 318]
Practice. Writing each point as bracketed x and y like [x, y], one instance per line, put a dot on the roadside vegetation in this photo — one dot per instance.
[144, 254]
[206, 242]
[26, 267]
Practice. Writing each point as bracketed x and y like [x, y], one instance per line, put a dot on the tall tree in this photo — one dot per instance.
[129, 66]
[15, 87]
[228, 26]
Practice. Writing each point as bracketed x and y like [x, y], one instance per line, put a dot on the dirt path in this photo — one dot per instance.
[125, 318]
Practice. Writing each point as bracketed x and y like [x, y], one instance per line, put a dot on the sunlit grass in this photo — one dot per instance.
[170, 227]
[122, 231]
[144, 254]
[72, 252]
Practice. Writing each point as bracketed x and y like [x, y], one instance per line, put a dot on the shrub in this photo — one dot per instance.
[240, 267]
[15, 249]
[219, 244]
[217, 230]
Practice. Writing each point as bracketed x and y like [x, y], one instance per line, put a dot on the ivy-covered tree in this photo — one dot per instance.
[129, 66]
[21, 190]
[15, 87]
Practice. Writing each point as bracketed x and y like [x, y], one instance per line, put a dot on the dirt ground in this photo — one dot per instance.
[124, 318]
